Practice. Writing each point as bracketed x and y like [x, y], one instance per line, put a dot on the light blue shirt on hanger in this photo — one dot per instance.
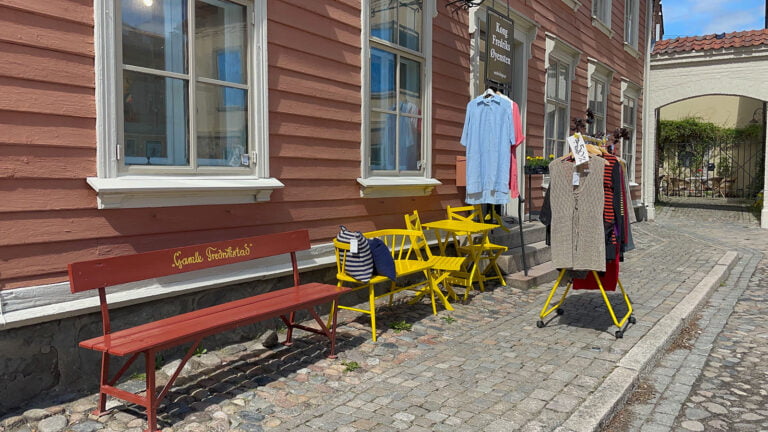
[488, 136]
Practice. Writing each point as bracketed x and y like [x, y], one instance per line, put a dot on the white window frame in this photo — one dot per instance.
[573, 4]
[597, 71]
[632, 26]
[630, 90]
[375, 186]
[557, 51]
[117, 188]
[601, 16]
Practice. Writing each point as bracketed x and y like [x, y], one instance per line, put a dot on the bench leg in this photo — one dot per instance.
[290, 323]
[150, 397]
[101, 408]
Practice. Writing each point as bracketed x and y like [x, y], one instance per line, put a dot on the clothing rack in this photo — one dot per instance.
[621, 324]
[614, 207]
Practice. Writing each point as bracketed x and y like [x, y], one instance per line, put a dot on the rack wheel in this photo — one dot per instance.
[632, 320]
[539, 323]
[560, 311]
[619, 334]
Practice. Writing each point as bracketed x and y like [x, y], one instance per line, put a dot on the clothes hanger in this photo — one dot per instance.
[595, 150]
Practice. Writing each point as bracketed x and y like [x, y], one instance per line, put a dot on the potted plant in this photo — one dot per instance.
[537, 164]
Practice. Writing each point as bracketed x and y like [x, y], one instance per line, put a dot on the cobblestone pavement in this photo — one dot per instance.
[483, 367]
[714, 377]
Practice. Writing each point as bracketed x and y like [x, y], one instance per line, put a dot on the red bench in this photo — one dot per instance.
[192, 327]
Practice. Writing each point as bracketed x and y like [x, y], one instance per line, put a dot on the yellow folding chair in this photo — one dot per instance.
[465, 243]
[407, 262]
[443, 267]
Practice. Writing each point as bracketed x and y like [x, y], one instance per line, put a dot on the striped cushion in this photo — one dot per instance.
[358, 265]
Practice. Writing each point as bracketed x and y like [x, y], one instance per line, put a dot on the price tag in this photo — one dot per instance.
[578, 148]
[353, 246]
[576, 178]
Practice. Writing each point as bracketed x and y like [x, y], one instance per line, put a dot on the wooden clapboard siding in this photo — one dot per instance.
[47, 142]
[315, 117]
[50, 66]
[23, 24]
[23, 162]
[36, 195]
[576, 28]
[47, 136]
[48, 214]
[47, 131]
[76, 11]
[450, 94]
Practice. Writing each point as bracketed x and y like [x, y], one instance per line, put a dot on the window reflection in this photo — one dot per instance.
[397, 22]
[155, 36]
[155, 118]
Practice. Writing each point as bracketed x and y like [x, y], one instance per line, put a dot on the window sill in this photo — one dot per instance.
[602, 27]
[386, 187]
[573, 4]
[632, 50]
[159, 191]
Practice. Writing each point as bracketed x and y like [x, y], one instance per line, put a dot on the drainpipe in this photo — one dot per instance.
[647, 190]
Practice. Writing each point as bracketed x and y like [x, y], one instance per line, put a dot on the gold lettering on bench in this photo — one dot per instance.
[211, 254]
[180, 262]
[214, 254]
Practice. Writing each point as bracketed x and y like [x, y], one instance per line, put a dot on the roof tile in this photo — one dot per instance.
[712, 41]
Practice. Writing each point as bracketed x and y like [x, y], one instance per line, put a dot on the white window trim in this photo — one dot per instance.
[605, 28]
[631, 50]
[563, 51]
[136, 191]
[601, 72]
[397, 186]
[630, 89]
[573, 4]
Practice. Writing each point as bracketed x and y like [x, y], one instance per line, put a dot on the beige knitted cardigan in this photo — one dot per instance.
[578, 236]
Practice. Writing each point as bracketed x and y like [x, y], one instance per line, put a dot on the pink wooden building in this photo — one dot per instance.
[134, 125]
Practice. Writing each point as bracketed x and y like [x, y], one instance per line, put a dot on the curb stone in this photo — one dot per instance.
[611, 395]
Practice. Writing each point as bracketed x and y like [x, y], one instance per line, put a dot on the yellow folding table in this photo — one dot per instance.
[446, 230]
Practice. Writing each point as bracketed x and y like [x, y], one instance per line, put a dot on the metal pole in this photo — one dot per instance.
[522, 238]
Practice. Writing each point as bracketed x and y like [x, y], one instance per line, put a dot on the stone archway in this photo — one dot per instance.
[683, 75]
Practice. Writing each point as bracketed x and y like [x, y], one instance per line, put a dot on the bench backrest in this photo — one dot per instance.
[106, 272]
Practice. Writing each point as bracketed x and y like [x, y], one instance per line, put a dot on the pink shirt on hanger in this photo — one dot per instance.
[517, 123]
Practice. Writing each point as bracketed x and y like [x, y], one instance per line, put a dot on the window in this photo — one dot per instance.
[162, 64]
[561, 61]
[631, 12]
[181, 97]
[597, 103]
[396, 110]
[599, 77]
[395, 90]
[601, 16]
[557, 108]
[630, 95]
[601, 9]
